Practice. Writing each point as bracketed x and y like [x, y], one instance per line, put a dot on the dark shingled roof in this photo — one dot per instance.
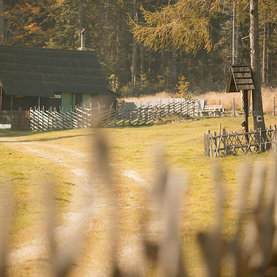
[41, 72]
[240, 79]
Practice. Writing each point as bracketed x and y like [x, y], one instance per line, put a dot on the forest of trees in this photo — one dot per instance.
[218, 34]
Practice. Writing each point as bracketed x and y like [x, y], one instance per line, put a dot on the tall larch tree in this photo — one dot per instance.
[134, 50]
[2, 26]
[258, 115]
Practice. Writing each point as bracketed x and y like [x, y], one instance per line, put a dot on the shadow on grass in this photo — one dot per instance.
[15, 133]
[25, 133]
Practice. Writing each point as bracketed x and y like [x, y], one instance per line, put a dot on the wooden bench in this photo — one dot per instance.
[214, 110]
[5, 126]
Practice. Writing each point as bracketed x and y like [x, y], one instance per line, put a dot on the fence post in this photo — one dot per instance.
[210, 152]
[224, 141]
[206, 144]
[260, 139]
[215, 145]
[274, 106]
[274, 141]
[234, 107]
[30, 119]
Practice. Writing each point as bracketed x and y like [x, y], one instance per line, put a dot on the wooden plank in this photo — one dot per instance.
[246, 75]
[244, 81]
[245, 87]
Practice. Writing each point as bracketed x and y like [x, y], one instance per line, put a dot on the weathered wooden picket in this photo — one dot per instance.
[224, 143]
[84, 117]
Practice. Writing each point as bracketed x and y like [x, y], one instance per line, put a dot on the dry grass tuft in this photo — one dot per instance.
[214, 98]
[143, 98]
[226, 99]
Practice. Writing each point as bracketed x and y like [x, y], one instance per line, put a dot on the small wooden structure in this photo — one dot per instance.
[240, 80]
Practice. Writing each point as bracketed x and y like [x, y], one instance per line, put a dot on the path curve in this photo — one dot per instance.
[63, 157]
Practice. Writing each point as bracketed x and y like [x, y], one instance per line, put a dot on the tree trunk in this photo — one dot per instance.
[264, 54]
[258, 115]
[142, 54]
[234, 33]
[134, 51]
[106, 26]
[80, 20]
[117, 45]
[267, 56]
[2, 23]
[173, 77]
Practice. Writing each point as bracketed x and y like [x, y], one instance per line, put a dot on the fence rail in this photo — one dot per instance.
[224, 143]
[84, 117]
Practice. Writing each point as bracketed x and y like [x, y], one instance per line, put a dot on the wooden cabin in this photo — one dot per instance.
[50, 77]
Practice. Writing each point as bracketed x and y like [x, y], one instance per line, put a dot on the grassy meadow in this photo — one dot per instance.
[132, 150]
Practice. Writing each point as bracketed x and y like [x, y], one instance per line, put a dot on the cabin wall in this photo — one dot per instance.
[68, 101]
[86, 99]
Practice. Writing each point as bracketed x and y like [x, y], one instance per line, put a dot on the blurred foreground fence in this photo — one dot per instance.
[224, 143]
[84, 117]
[250, 251]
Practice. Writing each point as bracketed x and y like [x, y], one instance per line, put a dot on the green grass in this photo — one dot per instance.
[132, 149]
[26, 174]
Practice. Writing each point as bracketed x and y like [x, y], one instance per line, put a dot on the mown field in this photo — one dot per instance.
[132, 150]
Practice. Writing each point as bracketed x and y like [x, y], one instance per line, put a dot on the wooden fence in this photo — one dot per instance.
[47, 120]
[84, 117]
[224, 143]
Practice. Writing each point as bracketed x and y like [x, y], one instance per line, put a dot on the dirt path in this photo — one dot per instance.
[75, 164]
